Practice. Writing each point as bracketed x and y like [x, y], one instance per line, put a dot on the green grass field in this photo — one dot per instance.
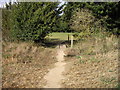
[59, 36]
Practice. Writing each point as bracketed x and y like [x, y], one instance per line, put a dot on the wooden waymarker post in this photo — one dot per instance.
[71, 41]
[68, 37]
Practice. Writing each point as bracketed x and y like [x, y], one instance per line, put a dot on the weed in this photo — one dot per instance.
[6, 56]
[107, 80]
[93, 59]
[81, 61]
[111, 71]
[25, 59]
[118, 86]
[80, 57]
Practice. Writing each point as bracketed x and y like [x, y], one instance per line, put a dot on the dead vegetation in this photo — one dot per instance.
[25, 64]
[95, 64]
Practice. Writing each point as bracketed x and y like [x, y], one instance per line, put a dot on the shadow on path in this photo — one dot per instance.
[52, 43]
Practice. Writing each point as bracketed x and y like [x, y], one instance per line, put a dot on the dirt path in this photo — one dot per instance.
[55, 75]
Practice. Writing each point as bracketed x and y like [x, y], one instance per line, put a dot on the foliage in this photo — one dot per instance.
[84, 23]
[107, 13]
[33, 21]
[62, 25]
[6, 24]
[82, 20]
[110, 10]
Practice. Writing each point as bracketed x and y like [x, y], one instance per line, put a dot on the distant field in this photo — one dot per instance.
[59, 36]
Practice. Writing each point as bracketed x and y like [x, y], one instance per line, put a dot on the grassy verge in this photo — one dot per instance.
[59, 36]
[56, 38]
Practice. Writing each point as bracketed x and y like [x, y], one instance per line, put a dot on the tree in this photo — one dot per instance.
[33, 21]
[82, 20]
[61, 25]
[106, 12]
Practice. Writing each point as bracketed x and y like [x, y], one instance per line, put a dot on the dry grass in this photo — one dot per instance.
[95, 64]
[25, 64]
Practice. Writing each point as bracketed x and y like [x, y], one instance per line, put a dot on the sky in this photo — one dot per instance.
[62, 2]
[2, 2]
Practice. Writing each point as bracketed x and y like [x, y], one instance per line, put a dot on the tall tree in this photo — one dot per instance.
[106, 12]
[33, 21]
